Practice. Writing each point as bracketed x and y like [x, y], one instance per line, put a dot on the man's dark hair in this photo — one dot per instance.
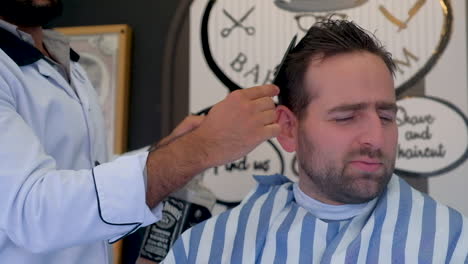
[28, 13]
[326, 38]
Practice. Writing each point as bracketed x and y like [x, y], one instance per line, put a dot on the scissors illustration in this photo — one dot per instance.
[238, 23]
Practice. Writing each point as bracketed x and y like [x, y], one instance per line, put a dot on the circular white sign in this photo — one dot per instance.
[433, 136]
[243, 40]
[231, 182]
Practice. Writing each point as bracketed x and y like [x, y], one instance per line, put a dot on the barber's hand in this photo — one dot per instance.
[239, 123]
[232, 128]
[187, 125]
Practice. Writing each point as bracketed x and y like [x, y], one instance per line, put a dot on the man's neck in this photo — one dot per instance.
[326, 211]
[36, 33]
[38, 36]
[315, 193]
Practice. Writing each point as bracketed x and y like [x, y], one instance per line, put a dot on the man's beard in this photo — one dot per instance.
[333, 179]
[25, 13]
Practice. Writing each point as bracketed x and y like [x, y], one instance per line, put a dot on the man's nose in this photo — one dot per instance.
[372, 133]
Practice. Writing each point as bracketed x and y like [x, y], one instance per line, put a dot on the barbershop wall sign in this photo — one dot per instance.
[239, 44]
[433, 136]
[242, 40]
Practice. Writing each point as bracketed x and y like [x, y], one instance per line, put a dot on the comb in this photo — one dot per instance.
[292, 44]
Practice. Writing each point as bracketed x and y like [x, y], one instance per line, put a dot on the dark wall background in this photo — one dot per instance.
[149, 20]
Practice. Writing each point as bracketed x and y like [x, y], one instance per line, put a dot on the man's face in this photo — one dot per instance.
[30, 13]
[346, 141]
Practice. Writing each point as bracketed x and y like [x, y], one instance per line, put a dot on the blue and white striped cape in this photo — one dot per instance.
[401, 226]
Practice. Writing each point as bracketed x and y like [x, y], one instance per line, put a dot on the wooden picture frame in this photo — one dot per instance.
[105, 55]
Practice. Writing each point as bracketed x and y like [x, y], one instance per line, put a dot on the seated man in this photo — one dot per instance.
[338, 114]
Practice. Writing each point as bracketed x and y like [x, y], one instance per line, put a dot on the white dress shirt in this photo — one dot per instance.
[55, 208]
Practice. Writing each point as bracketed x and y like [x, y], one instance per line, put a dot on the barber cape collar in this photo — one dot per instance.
[400, 226]
[21, 52]
[317, 5]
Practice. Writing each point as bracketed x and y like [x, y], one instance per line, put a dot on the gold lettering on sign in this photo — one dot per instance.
[397, 22]
[407, 62]
[411, 13]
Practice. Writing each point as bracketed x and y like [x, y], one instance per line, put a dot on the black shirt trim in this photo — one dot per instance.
[21, 52]
[135, 225]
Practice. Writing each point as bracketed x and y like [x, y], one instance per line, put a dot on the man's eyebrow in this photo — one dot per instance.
[359, 106]
[348, 107]
[387, 106]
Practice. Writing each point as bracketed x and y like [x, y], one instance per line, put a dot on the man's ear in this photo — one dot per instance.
[289, 125]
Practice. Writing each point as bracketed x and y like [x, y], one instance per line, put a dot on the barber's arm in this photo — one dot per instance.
[233, 127]
[51, 197]
[47, 207]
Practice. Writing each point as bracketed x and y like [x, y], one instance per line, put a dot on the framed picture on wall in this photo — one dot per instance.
[105, 55]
